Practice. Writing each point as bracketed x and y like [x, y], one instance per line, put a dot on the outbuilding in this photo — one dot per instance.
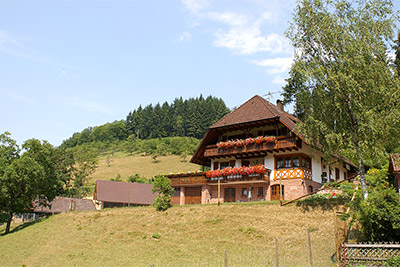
[110, 194]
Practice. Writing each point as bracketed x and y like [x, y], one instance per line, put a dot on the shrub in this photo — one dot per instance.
[379, 214]
[393, 262]
[137, 179]
[162, 186]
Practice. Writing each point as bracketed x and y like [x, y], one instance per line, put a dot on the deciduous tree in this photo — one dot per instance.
[342, 79]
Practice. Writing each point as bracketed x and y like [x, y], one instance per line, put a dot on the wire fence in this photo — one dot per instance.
[274, 254]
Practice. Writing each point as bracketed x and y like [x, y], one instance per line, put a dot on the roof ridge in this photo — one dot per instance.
[268, 105]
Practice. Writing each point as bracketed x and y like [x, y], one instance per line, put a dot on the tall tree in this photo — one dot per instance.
[396, 48]
[342, 80]
[25, 178]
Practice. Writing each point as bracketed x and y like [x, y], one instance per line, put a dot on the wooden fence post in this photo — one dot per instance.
[276, 253]
[309, 245]
[226, 258]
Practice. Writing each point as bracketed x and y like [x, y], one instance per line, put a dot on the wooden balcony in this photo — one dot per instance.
[240, 179]
[284, 143]
[293, 173]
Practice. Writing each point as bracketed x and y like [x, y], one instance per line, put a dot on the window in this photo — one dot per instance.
[224, 165]
[324, 178]
[216, 165]
[260, 192]
[245, 163]
[279, 163]
[337, 174]
[310, 189]
[345, 175]
[244, 192]
[307, 164]
[296, 162]
[288, 163]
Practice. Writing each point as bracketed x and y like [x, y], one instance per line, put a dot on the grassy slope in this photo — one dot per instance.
[127, 165]
[189, 235]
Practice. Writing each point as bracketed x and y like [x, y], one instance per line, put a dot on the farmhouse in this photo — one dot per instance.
[110, 194]
[252, 153]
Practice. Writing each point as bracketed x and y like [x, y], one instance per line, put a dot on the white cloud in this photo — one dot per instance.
[68, 74]
[251, 41]
[233, 19]
[21, 98]
[278, 80]
[275, 65]
[184, 37]
[195, 5]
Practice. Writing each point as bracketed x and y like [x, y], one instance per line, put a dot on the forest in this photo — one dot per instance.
[182, 118]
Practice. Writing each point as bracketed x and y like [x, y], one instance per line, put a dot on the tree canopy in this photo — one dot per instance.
[25, 178]
[343, 83]
[37, 172]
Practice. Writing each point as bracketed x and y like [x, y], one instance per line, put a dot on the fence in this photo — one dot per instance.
[276, 253]
[365, 253]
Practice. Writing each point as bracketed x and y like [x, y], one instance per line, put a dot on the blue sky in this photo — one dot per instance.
[67, 65]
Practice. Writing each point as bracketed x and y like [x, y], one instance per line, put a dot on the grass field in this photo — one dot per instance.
[127, 165]
[189, 236]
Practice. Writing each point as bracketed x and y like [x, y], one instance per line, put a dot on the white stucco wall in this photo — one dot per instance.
[269, 162]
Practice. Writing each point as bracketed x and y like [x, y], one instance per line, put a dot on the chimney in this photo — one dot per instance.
[279, 104]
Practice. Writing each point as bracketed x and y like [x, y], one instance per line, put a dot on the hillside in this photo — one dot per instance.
[127, 165]
[189, 235]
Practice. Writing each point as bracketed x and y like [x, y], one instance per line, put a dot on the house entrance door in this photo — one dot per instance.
[275, 192]
[230, 194]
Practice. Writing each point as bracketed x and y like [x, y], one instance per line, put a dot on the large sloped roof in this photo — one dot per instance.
[256, 109]
[123, 192]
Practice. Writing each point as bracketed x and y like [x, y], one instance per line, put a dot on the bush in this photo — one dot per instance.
[137, 179]
[393, 262]
[117, 178]
[379, 214]
[162, 186]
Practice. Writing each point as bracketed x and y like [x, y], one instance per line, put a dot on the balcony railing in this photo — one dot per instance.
[283, 143]
[240, 178]
[293, 173]
[187, 179]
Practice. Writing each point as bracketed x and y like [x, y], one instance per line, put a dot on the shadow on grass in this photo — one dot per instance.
[21, 226]
[321, 202]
